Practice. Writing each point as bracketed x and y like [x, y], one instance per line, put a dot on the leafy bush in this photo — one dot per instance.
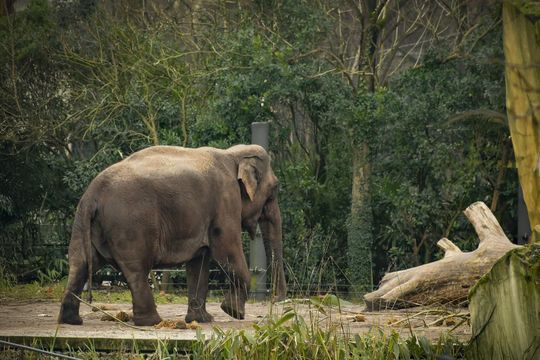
[292, 337]
[98, 83]
[52, 272]
[428, 168]
[7, 279]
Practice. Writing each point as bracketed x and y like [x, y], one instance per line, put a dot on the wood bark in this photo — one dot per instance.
[359, 236]
[6, 7]
[449, 279]
[505, 308]
[521, 39]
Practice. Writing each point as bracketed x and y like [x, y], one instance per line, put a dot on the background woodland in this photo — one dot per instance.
[387, 119]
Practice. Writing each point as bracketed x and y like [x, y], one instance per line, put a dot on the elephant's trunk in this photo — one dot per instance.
[270, 224]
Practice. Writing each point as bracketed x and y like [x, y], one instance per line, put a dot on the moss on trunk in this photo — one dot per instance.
[505, 308]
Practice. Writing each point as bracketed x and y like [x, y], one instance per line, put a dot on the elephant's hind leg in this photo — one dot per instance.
[69, 310]
[197, 282]
[78, 274]
[144, 307]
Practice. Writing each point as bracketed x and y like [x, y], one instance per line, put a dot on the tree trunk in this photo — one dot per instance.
[505, 308]
[521, 38]
[359, 232]
[360, 224]
[6, 7]
[447, 280]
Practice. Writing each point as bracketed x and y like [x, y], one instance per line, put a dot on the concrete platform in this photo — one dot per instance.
[34, 323]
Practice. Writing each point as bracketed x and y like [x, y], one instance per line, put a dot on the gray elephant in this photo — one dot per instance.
[167, 205]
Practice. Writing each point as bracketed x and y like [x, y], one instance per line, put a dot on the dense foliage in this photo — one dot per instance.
[291, 336]
[447, 157]
[93, 83]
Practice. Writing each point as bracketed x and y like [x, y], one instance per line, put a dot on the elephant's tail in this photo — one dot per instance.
[87, 213]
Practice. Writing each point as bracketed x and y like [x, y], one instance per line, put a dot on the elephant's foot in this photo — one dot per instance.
[200, 315]
[197, 311]
[235, 308]
[73, 319]
[147, 319]
[69, 313]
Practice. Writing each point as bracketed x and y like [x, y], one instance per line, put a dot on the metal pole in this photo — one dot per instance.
[257, 255]
[30, 348]
[259, 133]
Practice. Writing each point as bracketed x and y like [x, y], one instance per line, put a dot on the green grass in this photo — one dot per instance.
[7, 279]
[54, 292]
[33, 291]
[290, 336]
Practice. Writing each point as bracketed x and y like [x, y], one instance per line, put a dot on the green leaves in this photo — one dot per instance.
[426, 170]
[97, 85]
[290, 336]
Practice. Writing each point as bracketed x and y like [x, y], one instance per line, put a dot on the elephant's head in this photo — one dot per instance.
[259, 188]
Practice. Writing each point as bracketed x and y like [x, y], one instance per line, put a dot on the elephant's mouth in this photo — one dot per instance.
[250, 226]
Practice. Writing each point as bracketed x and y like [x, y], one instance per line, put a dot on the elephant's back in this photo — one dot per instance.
[173, 160]
[155, 163]
[162, 179]
[167, 179]
[174, 153]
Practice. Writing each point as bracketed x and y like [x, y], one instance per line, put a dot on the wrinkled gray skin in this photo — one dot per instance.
[164, 206]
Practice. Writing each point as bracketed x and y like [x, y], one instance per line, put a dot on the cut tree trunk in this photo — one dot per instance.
[446, 281]
[505, 308]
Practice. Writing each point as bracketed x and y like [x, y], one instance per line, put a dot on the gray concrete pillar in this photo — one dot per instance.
[257, 255]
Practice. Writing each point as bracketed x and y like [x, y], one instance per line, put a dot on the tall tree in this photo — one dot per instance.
[521, 37]
[376, 40]
[6, 7]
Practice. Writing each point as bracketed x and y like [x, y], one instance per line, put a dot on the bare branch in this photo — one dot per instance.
[491, 115]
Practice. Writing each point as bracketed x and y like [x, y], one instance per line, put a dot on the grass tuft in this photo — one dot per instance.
[290, 336]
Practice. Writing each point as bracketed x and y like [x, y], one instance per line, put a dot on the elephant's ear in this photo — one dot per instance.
[247, 175]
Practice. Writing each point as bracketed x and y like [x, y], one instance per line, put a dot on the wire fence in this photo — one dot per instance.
[28, 248]
[176, 283]
[36, 245]
[23, 238]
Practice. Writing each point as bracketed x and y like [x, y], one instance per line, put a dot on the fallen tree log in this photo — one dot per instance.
[447, 280]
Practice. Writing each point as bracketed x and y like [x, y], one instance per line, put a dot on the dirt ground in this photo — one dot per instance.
[26, 320]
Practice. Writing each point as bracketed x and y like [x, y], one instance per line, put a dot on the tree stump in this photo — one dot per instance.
[505, 308]
[447, 280]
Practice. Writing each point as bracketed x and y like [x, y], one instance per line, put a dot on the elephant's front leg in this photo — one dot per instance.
[144, 307]
[235, 300]
[230, 256]
[197, 270]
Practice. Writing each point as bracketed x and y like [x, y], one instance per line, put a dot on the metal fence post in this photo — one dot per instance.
[257, 255]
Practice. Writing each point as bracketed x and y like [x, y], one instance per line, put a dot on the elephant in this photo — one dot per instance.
[167, 205]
